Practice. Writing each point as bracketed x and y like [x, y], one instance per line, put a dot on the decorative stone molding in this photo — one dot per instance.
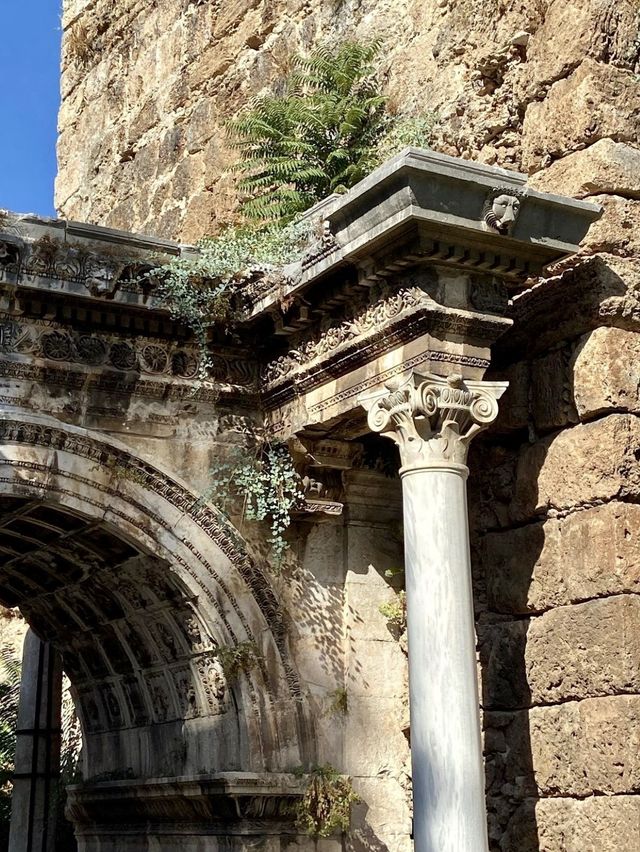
[229, 804]
[109, 455]
[431, 418]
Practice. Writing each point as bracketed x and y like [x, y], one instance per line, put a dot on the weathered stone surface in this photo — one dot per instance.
[600, 551]
[604, 168]
[617, 231]
[606, 372]
[573, 749]
[122, 104]
[523, 568]
[598, 824]
[586, 747]
[551, 402]
[588, 554]
[595, 102]
[514, 408]
[502, 662]
[589, 462]
[596, 373]
[571, 652]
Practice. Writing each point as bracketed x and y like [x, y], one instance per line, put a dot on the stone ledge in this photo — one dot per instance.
[228, 803]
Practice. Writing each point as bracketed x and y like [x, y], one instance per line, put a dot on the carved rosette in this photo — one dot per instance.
[431, 418]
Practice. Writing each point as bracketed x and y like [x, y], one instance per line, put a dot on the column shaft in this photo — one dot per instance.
[448, 773]
[432, 419]
[37, 762]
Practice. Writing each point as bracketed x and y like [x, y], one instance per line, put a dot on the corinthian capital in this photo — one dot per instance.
[432, 419]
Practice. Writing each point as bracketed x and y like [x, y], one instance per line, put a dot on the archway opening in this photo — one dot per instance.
[132, 641]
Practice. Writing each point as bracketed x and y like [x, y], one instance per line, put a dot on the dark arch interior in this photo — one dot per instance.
[132, 640]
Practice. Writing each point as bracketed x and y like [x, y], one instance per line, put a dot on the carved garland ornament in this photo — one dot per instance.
[371, 318]
[433, 419]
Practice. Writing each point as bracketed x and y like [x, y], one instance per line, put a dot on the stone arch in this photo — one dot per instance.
[138, 583]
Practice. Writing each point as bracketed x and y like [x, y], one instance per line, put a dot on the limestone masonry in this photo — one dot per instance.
[406, 325]
[146, 88]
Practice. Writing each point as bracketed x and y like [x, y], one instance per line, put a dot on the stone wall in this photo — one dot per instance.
[555, 505]
[146, 89]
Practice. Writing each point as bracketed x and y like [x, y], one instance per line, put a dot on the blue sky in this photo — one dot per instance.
[29, 71]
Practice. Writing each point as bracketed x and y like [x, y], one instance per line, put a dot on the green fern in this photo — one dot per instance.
[319, 137]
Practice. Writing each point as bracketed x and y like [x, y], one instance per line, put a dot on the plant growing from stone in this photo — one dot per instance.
[395, 611]
[9, 695]
[204, 291]
[327, 131]
[317, 138]
[339, 702]
[325, 807]
[235, 659]
[268, 485]
[404, 131]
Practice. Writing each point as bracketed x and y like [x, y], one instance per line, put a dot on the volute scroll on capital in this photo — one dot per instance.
[433, 418]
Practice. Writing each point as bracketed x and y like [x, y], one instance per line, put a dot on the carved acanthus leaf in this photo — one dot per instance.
[433, 418]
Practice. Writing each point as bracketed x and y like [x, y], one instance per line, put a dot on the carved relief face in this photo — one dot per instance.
[502, 212]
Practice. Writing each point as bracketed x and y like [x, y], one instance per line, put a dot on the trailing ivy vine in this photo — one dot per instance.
[267, 485]
[235, 659]
[204, 290]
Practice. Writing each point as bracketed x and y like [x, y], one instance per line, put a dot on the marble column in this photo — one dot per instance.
[432, 419]
[37, 763]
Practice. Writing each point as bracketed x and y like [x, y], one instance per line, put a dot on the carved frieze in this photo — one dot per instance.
[142, 355]
[360, 321]
[100, 273]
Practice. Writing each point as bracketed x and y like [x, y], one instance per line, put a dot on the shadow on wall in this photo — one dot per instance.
[503, 572]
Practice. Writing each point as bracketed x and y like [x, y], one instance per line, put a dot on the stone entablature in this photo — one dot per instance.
[427, 207]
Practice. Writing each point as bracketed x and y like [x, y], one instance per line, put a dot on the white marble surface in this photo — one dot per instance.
[448, 771]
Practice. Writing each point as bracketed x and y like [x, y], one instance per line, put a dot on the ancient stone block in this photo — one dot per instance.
[588, 554]
[606, 167]
[551, 401]
[589, 462]
[523, 568]
[502, 661]
[586, 747]
[597, 824]
[570, 652]
[581, 651]
[374, 741]
[569, 32]
[606, 372]
[596, 101]
[618, 230]
[579, 748]
[514, 406]
[600, 551]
